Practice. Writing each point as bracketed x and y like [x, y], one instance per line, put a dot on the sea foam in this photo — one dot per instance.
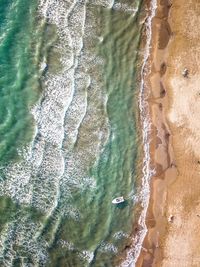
[51, 167]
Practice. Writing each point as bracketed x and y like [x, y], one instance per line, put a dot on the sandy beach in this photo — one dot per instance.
[173, 217]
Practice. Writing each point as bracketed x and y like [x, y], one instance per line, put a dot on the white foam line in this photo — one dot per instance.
[134, 252]
[55, 15]
[125, 8]
[82, 117]
[67, 107]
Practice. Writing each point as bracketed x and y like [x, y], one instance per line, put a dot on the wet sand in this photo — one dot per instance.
[173, 217]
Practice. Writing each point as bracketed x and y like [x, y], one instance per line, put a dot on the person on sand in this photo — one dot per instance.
[171, 219]
[185, 73]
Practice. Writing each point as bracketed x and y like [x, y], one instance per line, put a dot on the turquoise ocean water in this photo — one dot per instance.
[68, 126]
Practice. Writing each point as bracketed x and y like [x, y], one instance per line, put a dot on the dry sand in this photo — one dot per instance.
[173, 218]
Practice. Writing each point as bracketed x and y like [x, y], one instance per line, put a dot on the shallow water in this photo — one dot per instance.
[69, 142]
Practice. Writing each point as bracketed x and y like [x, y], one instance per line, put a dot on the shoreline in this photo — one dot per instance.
[134, 248]
[161, 151]
[173, 213]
